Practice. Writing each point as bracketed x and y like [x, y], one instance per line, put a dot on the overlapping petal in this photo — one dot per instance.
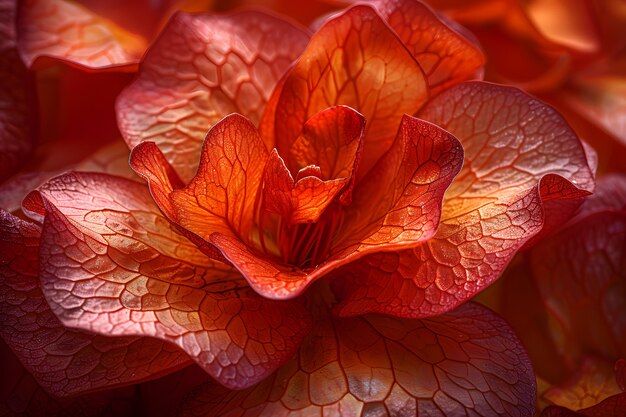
[112, 264]
[202, 68]
[356, 60]
[70, 32]
[17, 110]
[467, 362]
[63, 361]
[524, 168]
[445, 55]
[21, 396]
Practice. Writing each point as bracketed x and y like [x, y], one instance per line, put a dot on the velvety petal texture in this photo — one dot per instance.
[202, 68]
[524, 168]
[467, 362]
[17, 104]
[112, 264]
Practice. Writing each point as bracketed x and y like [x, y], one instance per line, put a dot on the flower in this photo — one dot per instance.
[349, 172]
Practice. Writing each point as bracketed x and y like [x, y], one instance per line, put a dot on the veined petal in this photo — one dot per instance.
[65, 362]
[357, 61]
[301, 201]
[21, 395]
[524, 169]
[111, 264]
[70, 32]
[202, 68]
[17, 114]
[414, 175]
[445, 55]
[467, 362]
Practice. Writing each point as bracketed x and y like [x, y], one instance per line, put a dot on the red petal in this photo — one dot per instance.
[620, 373]
[70, 32]
[581, 275]
[467, 362]
[303, 201]
[446, 56]
[17, 120]
[21, 396]
[614, 406]
[357, 61]
[524, 168]
[223, 64]
[414, 175]
[111, 264]
[65, 362]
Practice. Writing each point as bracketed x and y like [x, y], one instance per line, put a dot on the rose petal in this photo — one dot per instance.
[303, 201]
[446, 56]
[202, 68]
[111, 264]
[21, 396]
[17, 114]
[70, 32]
[524, 169]
[65, 362]
[357, 61]
[414, 174]
[467, 362]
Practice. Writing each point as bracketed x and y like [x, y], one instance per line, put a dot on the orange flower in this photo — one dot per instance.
[360, 157]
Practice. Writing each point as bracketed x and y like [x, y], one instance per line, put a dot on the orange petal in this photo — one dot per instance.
[65, 362]
[611, 407]
[331, 140]
[445, 55]
[21, 395]
[111, 264]
[414, 174]
[222, 197]
[524, 168]
[72, 33]
[17, 118]
[223, 64]
[593, 382]
[303, 201]
[357, 61]
[467, 362]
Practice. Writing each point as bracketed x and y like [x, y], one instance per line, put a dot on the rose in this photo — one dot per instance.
[111, 263]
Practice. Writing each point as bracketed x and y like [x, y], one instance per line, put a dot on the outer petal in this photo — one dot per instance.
[414, 174]
[355, 60]
[201, 69]
[111, 264]
[524, 168]
[67, 31]
[65, 362]
[581, 275]
[467, 362]
[21, 396]
[445, 55]
[17, 118]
